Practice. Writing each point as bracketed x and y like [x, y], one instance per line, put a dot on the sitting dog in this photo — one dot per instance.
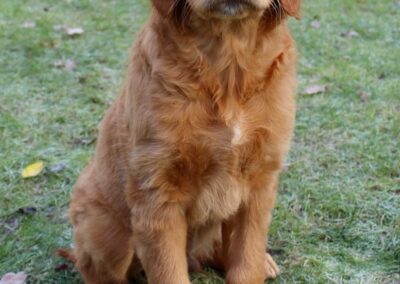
[187, 162]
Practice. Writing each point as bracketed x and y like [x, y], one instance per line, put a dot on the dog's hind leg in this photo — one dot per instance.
[103, 244]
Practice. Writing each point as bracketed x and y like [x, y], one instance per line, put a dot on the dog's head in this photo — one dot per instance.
[226, 9]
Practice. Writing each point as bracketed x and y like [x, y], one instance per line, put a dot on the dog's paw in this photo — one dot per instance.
[271, 268]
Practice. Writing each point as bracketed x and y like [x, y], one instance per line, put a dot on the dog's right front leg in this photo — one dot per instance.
[160, 234]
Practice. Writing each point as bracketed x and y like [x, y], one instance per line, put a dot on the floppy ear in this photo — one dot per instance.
[164, 7]
[291, 7]
[178, 10]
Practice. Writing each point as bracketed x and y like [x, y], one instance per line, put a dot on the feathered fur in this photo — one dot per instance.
[188, 158]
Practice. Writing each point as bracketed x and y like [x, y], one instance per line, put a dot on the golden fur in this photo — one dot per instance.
[188, 158]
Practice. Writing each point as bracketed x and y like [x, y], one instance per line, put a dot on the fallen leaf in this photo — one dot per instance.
[57, 167]
[350, 33]
[59, 63]
[83, 141]
[364, 96]
[68, 64]
[29, 25]
[315, 24]
[315, 89]
[74, 31]
[33, 170]
[14, 278]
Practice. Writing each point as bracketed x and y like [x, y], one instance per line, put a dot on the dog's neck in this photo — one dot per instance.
[224, 54]
[215, 38]
[229, 49]
[225, 43]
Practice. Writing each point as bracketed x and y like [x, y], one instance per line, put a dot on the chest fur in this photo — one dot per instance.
[220, 197]
[226, 188]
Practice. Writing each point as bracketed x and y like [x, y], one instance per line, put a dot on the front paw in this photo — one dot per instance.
[246, 275]
[271, 268]
[250, 273]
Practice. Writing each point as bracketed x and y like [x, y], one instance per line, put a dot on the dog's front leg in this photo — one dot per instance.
[160, 235]
[245, 237]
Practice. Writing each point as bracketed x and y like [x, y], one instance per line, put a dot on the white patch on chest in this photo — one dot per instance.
[237, 134]
[239, 131]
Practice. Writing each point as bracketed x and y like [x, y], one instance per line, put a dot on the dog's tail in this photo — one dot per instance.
[67, 254]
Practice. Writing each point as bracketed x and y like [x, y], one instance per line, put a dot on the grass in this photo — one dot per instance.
[338, 214]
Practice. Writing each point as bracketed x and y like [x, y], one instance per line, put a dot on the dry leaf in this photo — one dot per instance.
[57, 167]
[14, 278]
[315, 24]
[74, 31]
[59, 63]
[315, 89]
[363, 96]
[68, 64]
[29, 25]
[350, 33]
[33, 170]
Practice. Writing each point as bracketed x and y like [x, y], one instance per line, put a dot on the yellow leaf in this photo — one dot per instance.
[33, 170]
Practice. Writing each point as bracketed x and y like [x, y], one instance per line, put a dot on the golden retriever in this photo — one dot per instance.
[187, 162]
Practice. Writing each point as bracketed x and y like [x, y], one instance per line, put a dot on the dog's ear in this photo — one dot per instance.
[164, 7]
[292, 7]
[178, 10]
[278, 10]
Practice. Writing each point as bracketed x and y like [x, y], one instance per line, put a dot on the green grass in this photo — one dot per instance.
[338, 213]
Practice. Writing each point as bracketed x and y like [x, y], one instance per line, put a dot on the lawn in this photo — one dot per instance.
[338, 214]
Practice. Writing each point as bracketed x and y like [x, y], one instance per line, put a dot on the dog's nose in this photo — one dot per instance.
[231, 7]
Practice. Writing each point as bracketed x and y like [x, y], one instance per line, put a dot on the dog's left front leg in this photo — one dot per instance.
[245, 237]
[160, 240]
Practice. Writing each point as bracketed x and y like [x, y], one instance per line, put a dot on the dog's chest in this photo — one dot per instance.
[238, 131]
[237, 134]
[222, 192]
[219, 198]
